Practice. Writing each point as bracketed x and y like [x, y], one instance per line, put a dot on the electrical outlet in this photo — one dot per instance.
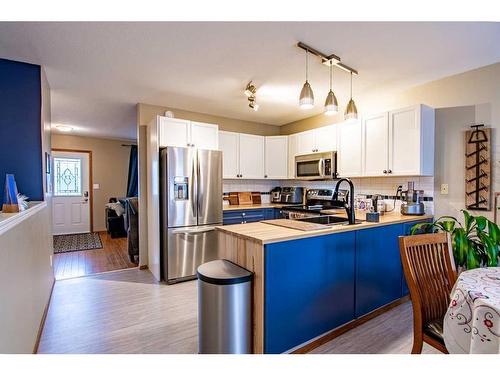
[444, 189]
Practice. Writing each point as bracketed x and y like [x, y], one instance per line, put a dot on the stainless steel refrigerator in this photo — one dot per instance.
[191, 207]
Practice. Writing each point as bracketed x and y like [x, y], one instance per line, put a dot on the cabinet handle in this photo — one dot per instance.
[385, 171]
[265, 176]
[389, 171]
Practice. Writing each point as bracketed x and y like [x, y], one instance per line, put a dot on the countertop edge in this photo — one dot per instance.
[252, 206]
[308, 234]
[10, 220]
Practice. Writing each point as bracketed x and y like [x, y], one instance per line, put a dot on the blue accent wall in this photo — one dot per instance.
[20, 127]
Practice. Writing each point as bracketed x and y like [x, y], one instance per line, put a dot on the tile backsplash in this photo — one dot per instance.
[367, 185]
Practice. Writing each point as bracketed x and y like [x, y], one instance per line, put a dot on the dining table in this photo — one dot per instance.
[472, 322]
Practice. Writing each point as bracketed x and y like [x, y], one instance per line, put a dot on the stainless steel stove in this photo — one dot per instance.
[317, 200]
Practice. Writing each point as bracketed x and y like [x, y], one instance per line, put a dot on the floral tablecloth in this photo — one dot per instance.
[472, 322]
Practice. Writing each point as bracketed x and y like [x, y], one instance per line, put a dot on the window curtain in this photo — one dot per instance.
[132, 184]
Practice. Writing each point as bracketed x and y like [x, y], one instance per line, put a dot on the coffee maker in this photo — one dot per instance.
[276, 195]
[412, 201]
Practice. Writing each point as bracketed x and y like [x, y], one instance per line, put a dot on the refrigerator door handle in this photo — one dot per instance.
[194, 192]
[193, 231]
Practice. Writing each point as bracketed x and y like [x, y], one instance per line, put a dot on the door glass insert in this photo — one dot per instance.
[67, 177]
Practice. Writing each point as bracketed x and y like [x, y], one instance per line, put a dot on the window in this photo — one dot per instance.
[67, 177]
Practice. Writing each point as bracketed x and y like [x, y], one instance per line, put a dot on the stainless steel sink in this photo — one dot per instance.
[327, 220]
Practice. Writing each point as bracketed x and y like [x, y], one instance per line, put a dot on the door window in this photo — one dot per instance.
[67, 177]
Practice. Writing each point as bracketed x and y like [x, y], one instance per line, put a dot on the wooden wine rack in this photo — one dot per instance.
[478, 168]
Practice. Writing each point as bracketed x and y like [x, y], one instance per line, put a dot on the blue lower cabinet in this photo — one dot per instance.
[244, 216]
[378, 267]
[309, 289]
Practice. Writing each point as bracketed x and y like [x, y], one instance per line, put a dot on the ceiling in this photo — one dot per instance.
[99, 71]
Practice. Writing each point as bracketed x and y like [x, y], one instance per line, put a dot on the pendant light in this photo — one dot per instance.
[306, 100]
[351, 112]
[331, 105]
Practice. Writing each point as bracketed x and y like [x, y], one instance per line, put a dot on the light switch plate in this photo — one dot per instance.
[97, 186]
[444, 189]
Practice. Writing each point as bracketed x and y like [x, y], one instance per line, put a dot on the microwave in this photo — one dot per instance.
[317, 166]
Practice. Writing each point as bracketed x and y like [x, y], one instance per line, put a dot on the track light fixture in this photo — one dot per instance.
[331, 104]
[250, 92]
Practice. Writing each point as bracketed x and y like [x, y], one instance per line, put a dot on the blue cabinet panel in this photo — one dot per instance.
[378, 267]
[309, 289]
[20, 127]
[247, 216]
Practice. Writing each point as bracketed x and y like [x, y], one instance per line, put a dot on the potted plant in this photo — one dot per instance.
[475, 244]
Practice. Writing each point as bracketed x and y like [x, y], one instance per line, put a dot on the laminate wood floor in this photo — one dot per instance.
[113, 256]
[129, 312]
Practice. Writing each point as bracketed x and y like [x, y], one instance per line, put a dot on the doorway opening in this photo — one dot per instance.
[78, 249]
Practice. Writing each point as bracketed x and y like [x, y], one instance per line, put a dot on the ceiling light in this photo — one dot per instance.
[331, 105]
[64, 128]
[306, 100]
[253, 103]
[254, 106]
[250, 90]
[351, 112]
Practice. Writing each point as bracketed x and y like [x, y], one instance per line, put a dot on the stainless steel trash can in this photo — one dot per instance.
[224, 308]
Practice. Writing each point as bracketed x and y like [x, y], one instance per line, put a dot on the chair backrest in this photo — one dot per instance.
[430, 273]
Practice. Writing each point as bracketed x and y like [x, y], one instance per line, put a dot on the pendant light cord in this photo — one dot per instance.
[307, 63]
[351, 85]
[331, 75]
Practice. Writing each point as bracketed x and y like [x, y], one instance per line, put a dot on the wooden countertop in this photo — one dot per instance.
[266, 233]
[236, 207]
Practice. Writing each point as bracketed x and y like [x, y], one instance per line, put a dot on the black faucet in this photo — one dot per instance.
[349, 207]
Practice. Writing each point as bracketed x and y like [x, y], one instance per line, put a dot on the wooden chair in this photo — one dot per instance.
[430, 273]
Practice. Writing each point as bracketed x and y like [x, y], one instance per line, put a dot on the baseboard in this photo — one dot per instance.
[44, 317]
[323, 339]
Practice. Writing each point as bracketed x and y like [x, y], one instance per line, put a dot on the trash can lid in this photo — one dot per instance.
[223, 272]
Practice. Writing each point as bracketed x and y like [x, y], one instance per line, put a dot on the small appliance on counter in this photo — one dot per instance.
[412, 201]
[292, 195]
[276, 194]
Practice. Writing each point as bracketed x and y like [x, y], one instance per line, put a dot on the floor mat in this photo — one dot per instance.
[76, 242]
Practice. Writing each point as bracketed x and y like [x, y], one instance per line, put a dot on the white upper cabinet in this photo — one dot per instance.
[185, 133]
[251, 156]
[411, 141]
[399, 143]
[292, 151]
[229, 145]
[305, 142]
[375, 133]
[204, 136]
[317, 140]
[173, 132]
[276, 157]
[325, 138]
[349, 162]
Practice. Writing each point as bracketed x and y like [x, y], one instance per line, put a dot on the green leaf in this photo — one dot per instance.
[481, 222]
[473, 258]
[447, 226]
[421, 228]
[494, 232]
[468, 220]
[490, 250]
[460, 248]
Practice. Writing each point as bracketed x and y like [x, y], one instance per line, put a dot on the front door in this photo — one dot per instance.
[70, 203]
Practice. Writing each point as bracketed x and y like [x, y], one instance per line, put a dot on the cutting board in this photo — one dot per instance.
[293, 224]
[244, 198]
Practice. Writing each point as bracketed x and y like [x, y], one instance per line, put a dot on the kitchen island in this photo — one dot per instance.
[307, 284]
